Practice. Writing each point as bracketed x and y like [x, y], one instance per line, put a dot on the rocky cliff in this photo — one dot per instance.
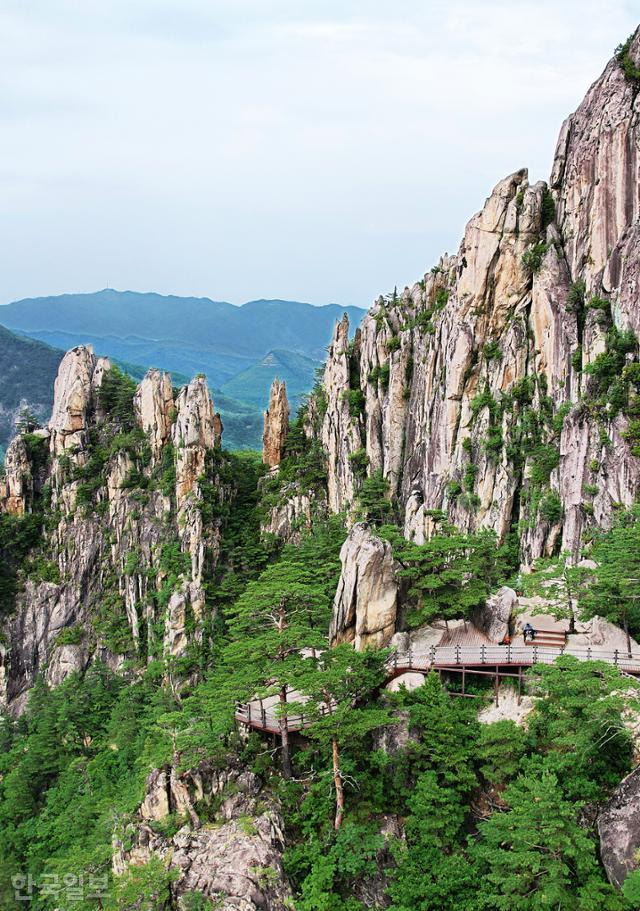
[276, 425]
[125, 484]
[502, 388]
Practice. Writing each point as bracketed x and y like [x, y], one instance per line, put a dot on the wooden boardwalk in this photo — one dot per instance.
[497, 661]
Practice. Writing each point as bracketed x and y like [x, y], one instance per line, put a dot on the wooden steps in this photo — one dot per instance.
[548, 638]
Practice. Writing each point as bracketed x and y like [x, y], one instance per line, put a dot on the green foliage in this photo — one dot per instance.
[374, 503]
[550, 509]
[115, 397]
[548, 208]
[533, 257]
[538, 855]
[359, 461]
[71, 766]
[146, 887]
[492, 350]
[623, 56]
[356, 400]
[544, 458]
[447, 576]
[611, 590]
[18, 536]
[393, 344]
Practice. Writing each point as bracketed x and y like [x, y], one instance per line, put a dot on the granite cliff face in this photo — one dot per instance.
[125, 543]
[501, 388]
[276, 425]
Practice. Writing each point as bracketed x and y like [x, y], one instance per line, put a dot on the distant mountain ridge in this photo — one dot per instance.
[239, 348]
[186, 334]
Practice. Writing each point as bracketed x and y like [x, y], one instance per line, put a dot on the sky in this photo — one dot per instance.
[238, 149]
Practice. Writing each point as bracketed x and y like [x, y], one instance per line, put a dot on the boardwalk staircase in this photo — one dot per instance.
[548, 638]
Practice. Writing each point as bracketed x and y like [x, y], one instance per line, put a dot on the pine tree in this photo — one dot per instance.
[613, 589]
[537, 855]
[281, 614]
[337, 685]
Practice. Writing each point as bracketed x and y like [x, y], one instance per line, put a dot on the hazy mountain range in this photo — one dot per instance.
[239, 349]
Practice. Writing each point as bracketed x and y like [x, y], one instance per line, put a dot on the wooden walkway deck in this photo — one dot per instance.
[486, 660]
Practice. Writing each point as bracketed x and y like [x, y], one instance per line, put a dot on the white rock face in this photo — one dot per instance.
[341, 433]
[16, 487]
[366, 601]
[153, 404]
[75, 398]
[473, 378]
[276, 425]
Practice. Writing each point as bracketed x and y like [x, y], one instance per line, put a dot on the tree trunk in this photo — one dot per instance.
[626, 629]
[337, 780]
[284, 735]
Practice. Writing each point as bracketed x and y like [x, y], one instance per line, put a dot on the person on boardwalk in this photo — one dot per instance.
[528, 632]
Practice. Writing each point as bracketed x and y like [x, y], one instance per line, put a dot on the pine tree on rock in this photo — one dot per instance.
[335, 686]
[279, 616]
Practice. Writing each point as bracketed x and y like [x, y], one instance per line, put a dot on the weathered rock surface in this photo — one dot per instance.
[493, 618]
[75, 398]
[619, 829]
[16, 487]
[237, 862]
[276, 424]
[153, 403]
[366, 601]
[117, 584]
[341, 432]
[465, 389]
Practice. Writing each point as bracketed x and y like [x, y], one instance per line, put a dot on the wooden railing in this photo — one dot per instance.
[445, 658]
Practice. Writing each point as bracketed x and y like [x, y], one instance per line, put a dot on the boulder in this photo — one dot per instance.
[492, 618]
[619, 829]
[366, 600]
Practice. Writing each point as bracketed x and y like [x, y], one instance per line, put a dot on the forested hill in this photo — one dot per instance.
[393, 663]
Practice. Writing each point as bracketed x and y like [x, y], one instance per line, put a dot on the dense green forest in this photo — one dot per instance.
[494, 816]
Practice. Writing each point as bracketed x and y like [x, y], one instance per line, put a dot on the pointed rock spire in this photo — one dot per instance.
[276, 424]
[154, 407]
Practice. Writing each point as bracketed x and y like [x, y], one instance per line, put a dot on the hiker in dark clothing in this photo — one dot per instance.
[528, 632]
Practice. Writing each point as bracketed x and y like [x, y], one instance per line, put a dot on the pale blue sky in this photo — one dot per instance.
[322, 151]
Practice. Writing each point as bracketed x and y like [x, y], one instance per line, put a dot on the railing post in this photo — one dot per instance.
[249, 711]
[535, 654]
[263, 716]
[615, 657]
[509, 653]
[457, 654]
[432, 654]
[482, 653]
[589, 653]
[410, 656]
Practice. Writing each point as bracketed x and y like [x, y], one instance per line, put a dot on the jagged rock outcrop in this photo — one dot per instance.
[472, 391]
[136, 526]
[75, 399]
[366, 601]
[237, 862]
[342, 426]
[16, 487]
[155, 411]
[619, 829]
[276, 425]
